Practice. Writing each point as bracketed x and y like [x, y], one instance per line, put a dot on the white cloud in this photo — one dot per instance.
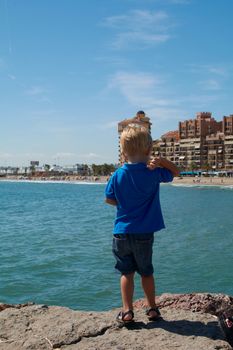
[39, 93]
[175, 2]
[210, 84]
[218, 70]
[155, 95]
[36, 91]
[180, 2]
[212, 69]
[91, 155]
[11, 76]
[141, 89]
[116, 61]
[137, 18]
[135, 87]
[141, 28]
[150, 93]
[212, 77]
[136, 37]
[172, 2]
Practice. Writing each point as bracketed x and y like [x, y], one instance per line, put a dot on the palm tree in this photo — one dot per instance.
[46, 168]
[32, 169]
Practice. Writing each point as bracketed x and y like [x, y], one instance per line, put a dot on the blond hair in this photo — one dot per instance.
[135, 140]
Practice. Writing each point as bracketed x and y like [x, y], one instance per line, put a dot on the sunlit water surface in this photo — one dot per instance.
[56, 244]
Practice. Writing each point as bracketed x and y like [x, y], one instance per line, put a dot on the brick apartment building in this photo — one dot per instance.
[200, 143]
[139, 119]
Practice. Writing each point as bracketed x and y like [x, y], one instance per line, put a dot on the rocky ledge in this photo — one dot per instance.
[189, 323]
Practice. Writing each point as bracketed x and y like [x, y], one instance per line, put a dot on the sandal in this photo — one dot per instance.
[226, 325]
[153, 318]
[121, 316]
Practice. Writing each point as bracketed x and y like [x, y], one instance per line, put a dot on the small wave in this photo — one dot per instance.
[55, 182]
[225, 187]
[183, 185]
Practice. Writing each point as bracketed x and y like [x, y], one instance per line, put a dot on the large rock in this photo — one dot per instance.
[203, 302]
[184, 326]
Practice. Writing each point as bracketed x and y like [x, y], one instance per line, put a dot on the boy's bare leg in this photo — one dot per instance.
[148, 285]
[127, 290]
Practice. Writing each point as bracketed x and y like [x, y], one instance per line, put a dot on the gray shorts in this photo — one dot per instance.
[133, 252]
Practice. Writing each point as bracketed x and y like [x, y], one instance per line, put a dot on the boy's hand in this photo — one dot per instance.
[111, 201]
[163, 163]
[154, 163]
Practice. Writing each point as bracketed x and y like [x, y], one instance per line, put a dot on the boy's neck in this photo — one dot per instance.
[138, 159]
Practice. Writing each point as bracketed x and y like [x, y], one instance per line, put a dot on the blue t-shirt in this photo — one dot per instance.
[136, 190]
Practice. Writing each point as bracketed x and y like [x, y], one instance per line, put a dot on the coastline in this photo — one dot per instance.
[58, 179]
[203, 181]
[91, 180]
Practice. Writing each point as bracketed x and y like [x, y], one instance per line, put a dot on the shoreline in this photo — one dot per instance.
[58, 179]
[91, 180]
[203, 181]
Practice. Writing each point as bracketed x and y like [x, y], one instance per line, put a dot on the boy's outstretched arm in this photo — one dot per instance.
[111, 201]
[164, 163]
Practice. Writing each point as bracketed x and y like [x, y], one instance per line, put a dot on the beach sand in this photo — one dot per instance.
[202, 180]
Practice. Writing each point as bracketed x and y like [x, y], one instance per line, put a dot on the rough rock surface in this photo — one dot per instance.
[189, 323]
[203, 302]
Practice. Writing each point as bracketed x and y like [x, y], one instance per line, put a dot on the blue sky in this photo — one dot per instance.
[71, 69]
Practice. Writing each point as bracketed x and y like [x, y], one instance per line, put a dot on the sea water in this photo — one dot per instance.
[56, 244]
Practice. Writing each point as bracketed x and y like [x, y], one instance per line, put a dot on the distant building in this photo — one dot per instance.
[228, 141]
[139, 119]
[34, 163]
[227, 125]
[196, 138]
[168, 146]
[200, 143]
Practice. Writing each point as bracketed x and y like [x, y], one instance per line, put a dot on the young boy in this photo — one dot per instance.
[134, 189]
